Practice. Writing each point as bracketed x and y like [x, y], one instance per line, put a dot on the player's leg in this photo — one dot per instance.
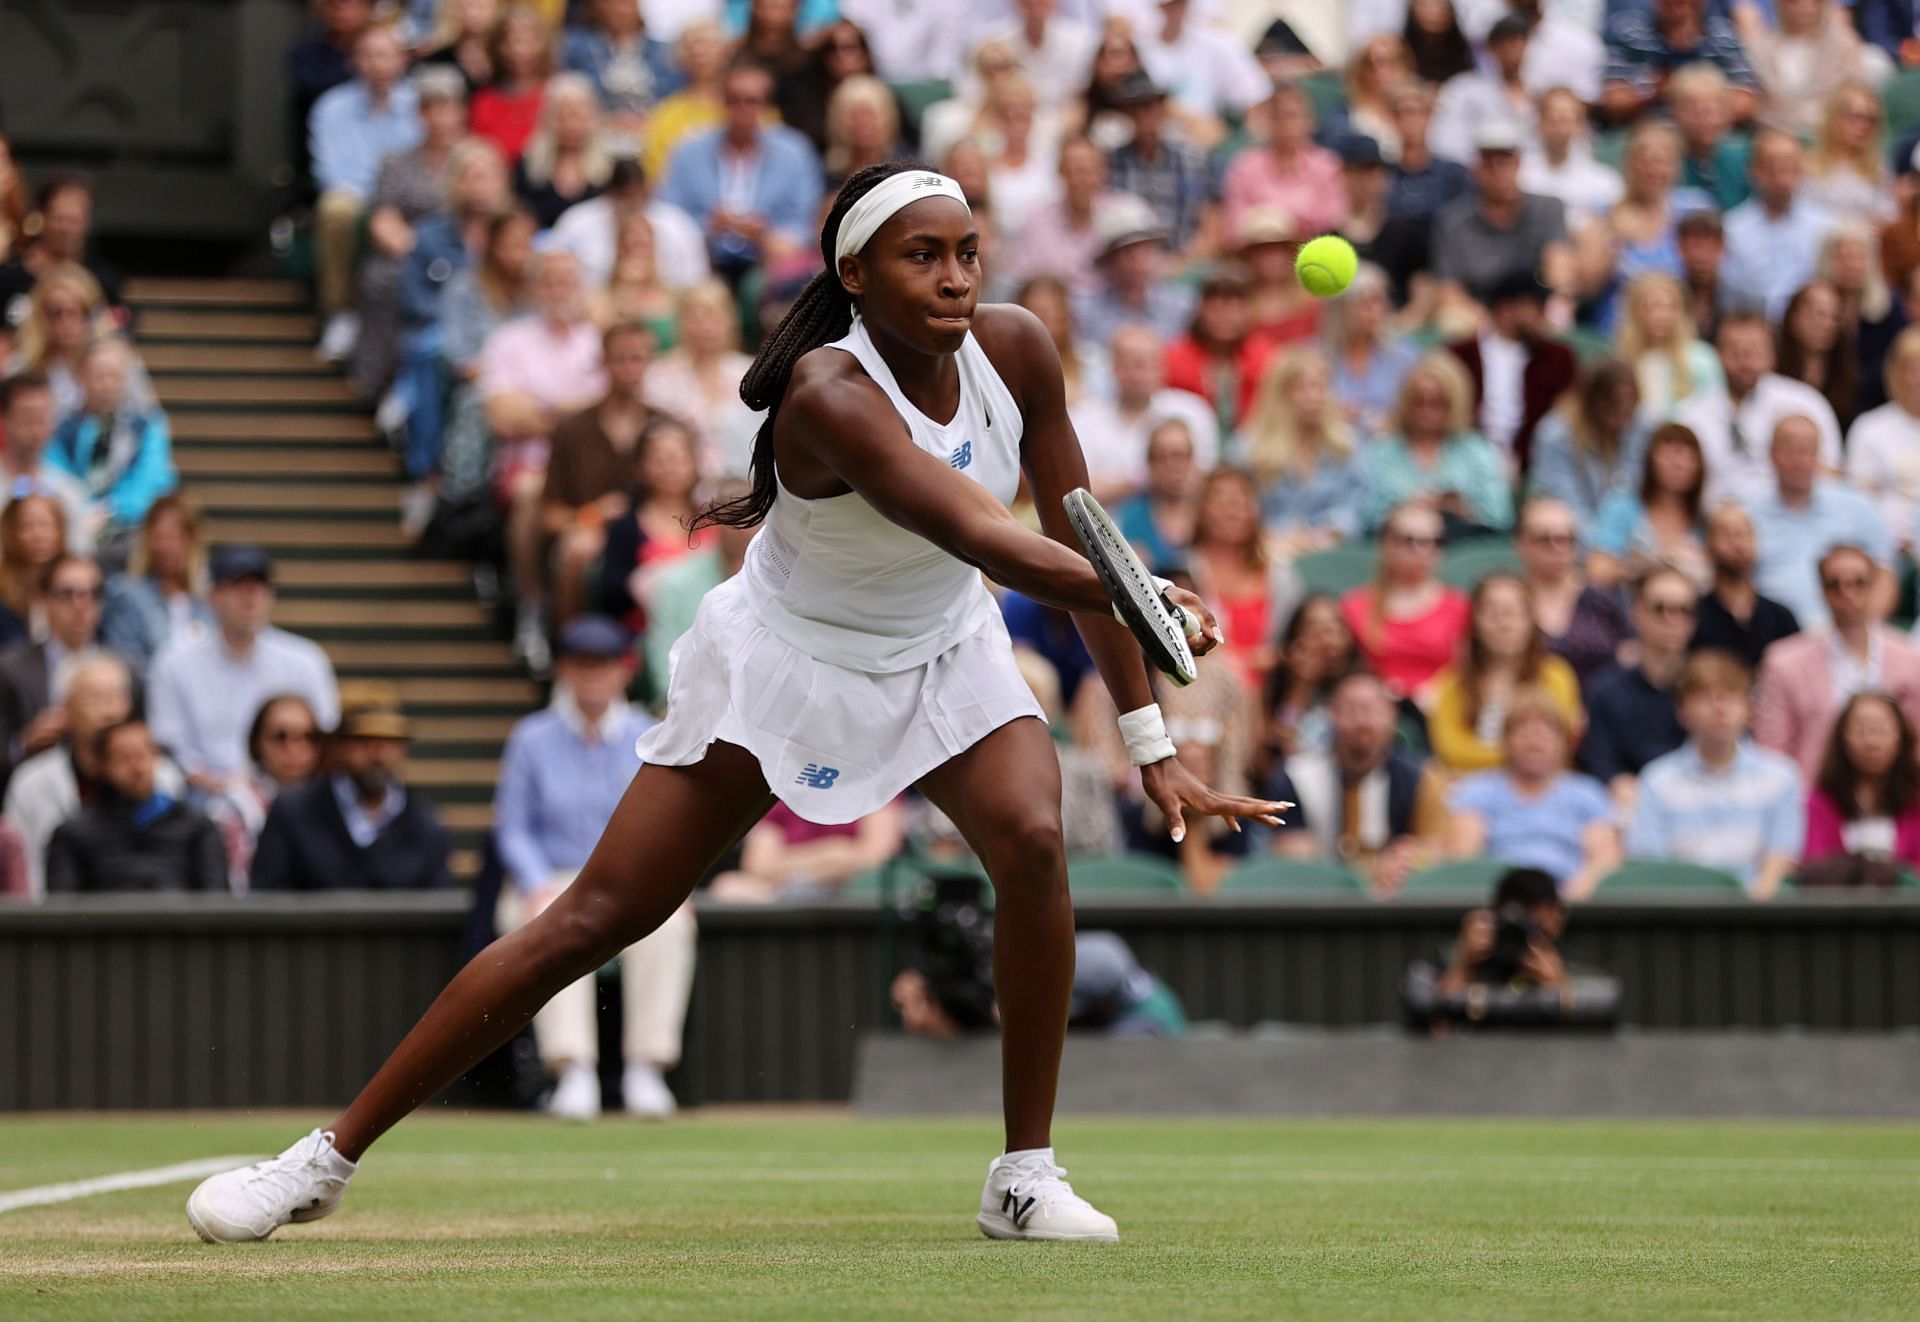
[670, 827]
[1004, 795]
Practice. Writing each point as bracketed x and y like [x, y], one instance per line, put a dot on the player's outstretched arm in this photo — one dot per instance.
[1050, 452]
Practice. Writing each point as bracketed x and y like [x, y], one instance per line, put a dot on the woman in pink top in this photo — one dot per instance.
[1866, 800]
[1407, 623]
[1250, 590]
[1287, 172]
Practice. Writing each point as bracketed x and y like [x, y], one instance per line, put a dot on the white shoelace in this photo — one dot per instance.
[286, 1176]
[1045, 1183]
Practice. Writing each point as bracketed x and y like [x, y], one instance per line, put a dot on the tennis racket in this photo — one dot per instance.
[1160, 625]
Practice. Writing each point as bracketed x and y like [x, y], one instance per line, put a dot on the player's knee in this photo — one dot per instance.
[1028, 843]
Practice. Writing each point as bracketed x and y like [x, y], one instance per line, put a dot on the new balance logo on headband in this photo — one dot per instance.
[963, 456]
[816, 777]
[926, 181]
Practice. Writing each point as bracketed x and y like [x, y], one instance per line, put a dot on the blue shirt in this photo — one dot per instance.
[1333, 496]
[1637, 54]
[1793, 540]
[1098, 314]
[558, 788]
[1567, 471]
[1134, 517]
[1629, 723]
[782, 179]
[1419, 194]
[1733, 819]
[628, 81]
[1544, 831]
[1767, 258]
[1375, 390]
[348, 136]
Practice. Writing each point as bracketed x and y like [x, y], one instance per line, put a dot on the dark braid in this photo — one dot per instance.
[822, 314]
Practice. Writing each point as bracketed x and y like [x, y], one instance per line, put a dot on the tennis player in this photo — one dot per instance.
[857, 652]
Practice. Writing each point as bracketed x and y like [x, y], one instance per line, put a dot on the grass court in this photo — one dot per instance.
[817, 1215]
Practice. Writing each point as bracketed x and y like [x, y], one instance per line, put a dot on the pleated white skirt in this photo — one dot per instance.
[834, 744]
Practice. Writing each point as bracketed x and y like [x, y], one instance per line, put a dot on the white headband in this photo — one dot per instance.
[867, 215]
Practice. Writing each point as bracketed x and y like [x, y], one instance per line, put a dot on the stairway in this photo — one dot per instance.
[274, 448]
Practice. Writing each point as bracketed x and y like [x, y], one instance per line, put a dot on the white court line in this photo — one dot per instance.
[43, 1194]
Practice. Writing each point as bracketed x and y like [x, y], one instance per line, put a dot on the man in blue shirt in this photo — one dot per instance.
[564, 771]
[1774, 237]
[1720, 801]
[754, 189]
[1646, 44]
[352, 129]
[1806, 515]
[1631, 714]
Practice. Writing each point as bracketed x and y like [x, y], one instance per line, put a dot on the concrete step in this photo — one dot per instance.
[467, 816]
[201, 463]
[336, 536]
[346, 575]
[278, 391]
[222, 325]
[465, 695]
[300, 498]
[463, 729]
[395, 656]
[148, 290]
[378, 613]
[261, 428]
[164, 359]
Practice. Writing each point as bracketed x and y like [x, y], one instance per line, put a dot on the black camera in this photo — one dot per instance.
[947, 921]
[1513, 932]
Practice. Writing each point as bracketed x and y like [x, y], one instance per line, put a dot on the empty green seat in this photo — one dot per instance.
[1124, 872]
[1667, 875]
[1291, 876]
[1474, 876]
[1465, 565]
[1902, 99]
[1337, 570]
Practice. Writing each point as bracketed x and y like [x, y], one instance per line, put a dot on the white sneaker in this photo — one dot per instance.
[646, 1094]
[416, 509]
[391, 417]
[304, 1183]
[577, 1096]
[337, 340]
[530, 644]
[1031, 1199]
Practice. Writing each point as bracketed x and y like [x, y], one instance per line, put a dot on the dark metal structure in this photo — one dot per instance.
[177, 1001]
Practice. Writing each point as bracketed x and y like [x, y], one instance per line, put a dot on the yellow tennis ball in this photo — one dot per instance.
[1326, 265]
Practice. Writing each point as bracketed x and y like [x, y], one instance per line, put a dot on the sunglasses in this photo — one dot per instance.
[290, 736]
[76, 594]
[1671, 610]
[1856, 582]
[1415, 541]
[1561, 539]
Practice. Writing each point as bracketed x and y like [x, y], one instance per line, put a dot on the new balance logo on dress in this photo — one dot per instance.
[815, 776]
[963, 456]
[1015, 1210]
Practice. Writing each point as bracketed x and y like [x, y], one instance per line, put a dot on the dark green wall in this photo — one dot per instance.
[291, 1001]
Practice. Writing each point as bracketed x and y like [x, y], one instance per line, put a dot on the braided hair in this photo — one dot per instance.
[822, 314]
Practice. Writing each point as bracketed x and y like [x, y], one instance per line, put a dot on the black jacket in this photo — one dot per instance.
[304, 846]
[102, 849]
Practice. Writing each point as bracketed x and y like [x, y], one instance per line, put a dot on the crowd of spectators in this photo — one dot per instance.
[1631, 333]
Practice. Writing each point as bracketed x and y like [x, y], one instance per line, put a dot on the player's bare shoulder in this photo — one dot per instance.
[1016, 343]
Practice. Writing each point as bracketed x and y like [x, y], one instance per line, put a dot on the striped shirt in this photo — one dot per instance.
[1733, 819]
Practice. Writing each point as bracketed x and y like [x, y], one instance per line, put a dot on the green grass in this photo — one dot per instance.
[745, 1216]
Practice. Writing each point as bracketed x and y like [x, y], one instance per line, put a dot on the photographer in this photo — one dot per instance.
[1506, 969]
[946, 989]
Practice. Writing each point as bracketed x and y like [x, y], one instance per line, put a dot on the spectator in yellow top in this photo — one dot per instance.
[1505, 655]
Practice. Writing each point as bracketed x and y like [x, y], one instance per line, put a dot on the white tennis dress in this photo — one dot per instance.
[850, 656]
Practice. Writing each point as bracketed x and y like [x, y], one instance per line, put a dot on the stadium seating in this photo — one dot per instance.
[1465, 565]
[1659, 875]
[1285, 876]
[1474, 876]
[1123, 872]
[1337, 570]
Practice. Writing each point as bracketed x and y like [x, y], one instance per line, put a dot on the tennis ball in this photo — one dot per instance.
[1326, 265]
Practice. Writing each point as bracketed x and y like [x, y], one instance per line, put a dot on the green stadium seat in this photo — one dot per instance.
[1471, 876]
[1465, 565]
[915, 99]
[1291, 876]
[1588, 345]
[907, 870]
[1336, 570]
[1328, 91]
[1668, 875]
[1902, 99]
[1124, 872]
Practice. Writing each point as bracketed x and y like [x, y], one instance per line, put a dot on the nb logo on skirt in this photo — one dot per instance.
[815, 776]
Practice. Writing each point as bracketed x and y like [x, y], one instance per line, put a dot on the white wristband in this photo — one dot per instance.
[1145, 731]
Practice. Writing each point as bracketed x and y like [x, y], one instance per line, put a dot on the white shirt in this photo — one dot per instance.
[1116, 447]
[1058, 67]
[1883, 461]
[1745, 472]
[1503, 404]
[667, 19]
[590, 231]
[1562, 52]
[1466, 101]
[911, 40]
[201, 699]
[1205, 70]
[1584, 186]
[1850, 674]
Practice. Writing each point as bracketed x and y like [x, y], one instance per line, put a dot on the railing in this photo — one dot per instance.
[170, 1001]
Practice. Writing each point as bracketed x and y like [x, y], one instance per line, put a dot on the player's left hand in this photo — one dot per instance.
[1208, 636]
[1177, 791]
